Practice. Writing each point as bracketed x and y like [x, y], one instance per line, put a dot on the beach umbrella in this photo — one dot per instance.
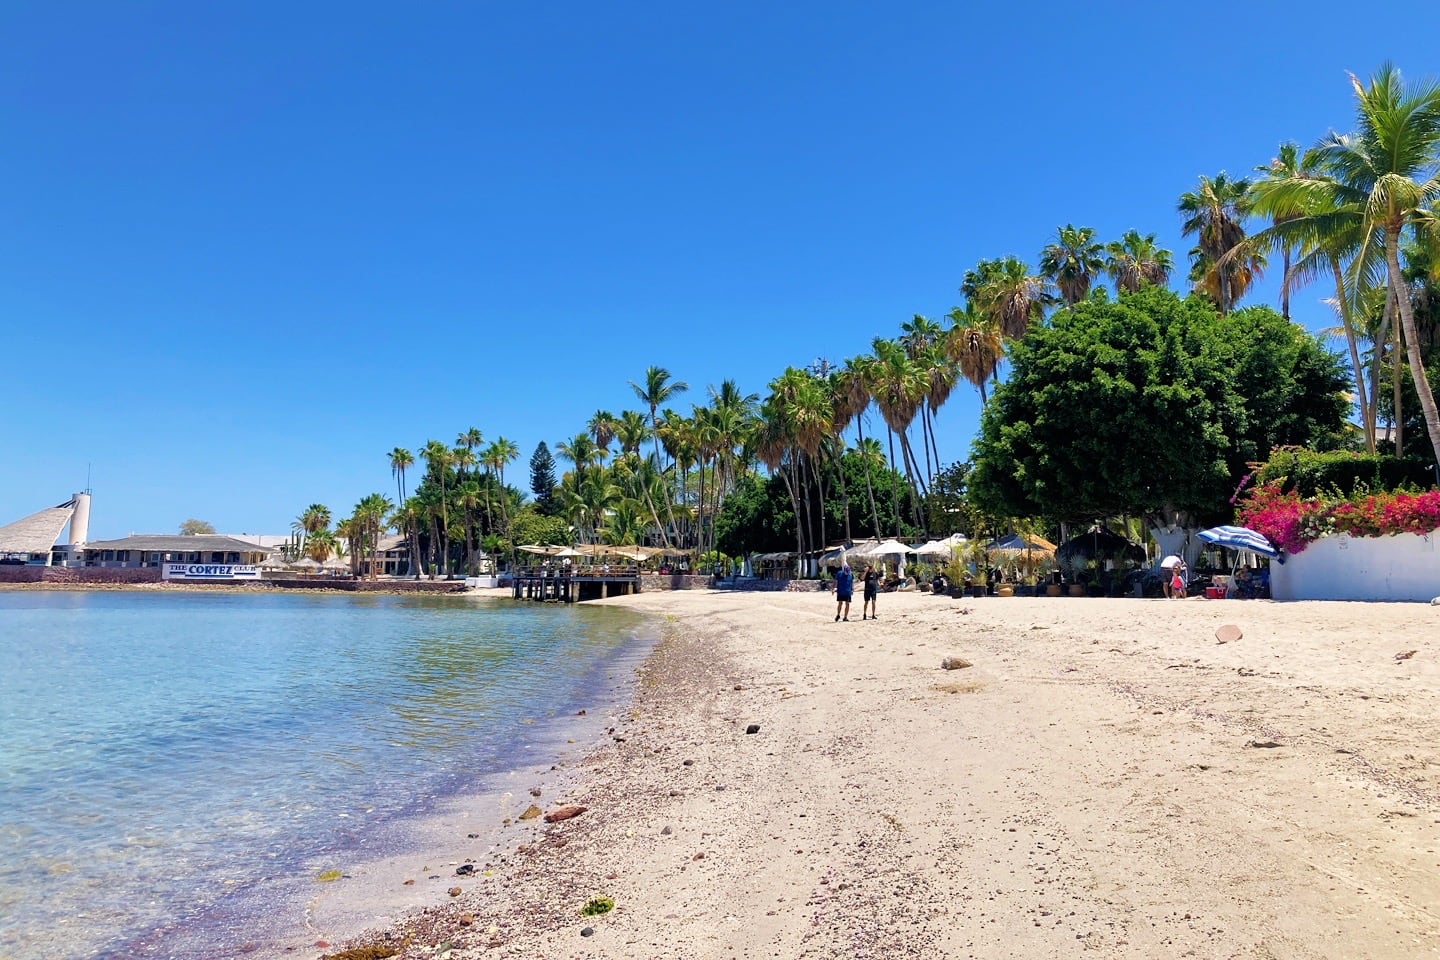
[1240, 538]
[308, 564]
[273, 563]
[889, 548]
[567, 552]
[1170, 561]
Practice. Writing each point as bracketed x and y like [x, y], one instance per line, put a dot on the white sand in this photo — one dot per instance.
[1105, 778]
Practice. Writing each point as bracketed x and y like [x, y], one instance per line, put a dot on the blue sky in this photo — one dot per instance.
[246, 249]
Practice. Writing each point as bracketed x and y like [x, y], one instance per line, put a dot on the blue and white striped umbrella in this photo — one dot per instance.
[1239, 538]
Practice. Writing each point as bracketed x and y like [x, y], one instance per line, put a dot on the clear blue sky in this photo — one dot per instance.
[248, 248]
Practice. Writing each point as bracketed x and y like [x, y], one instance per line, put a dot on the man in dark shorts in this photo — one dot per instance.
[872, 587]
[844, 590]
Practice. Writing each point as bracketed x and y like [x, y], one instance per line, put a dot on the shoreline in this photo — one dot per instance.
[1105, 773]
[181, 586]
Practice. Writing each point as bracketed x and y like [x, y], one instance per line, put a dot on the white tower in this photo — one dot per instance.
[80, 521]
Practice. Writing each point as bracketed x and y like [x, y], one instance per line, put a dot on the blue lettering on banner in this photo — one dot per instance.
[211, 571]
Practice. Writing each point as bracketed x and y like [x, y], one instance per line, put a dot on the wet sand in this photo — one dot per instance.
[1105, 777]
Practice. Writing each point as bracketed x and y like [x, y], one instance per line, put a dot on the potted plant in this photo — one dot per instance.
[955, 574]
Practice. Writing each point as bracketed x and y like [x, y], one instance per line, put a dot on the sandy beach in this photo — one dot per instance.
[1106, 777]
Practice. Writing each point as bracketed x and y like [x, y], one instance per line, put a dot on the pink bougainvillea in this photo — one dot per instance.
[1292, 523]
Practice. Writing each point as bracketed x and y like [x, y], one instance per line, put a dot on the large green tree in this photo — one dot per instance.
[1151, 405]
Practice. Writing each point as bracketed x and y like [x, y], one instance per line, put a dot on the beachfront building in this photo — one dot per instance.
[156, 550]
[35, 540]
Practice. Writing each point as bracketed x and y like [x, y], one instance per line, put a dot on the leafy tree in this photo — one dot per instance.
[1149, 405]
[528, 525]
[193, 527]
[948, 507]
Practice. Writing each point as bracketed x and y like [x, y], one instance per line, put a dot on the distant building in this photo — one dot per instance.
[155, 550]
[34, 539]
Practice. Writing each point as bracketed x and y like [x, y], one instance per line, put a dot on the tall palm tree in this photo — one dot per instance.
[602, 427]
[1072, 261]
[658, 390]
[1324, 238]
[1006, 291]
[975, 344]
[852, 391]
[1135, 260]
[898, 388]
[400, 461]
[1285, 165]
[1214, 213]
[438, 457]
[1391, 166]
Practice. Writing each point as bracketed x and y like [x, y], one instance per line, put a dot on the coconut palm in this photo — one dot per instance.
[1214, 213]
[1072, 261]
[657, 390]
[1135, 260]
[851, 391]
[438, 457]
[1391, 168]
[602, 427]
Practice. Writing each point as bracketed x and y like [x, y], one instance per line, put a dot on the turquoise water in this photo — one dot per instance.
[167, 758]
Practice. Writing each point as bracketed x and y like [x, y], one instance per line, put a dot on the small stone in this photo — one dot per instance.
[1406, 654]
[753, 728]
[455, 891]
[1228, 633]
[699, 856]
[955, 663]
[588, 932]
[534, 791]
[473, 836]
[531, 812]
[564, 813]
[719, 787]
[666, 832]
[739, 687]
[1264, 744]
[688, 763]
[465, 869]
[579, 713]
[409, 883]
[466, 919]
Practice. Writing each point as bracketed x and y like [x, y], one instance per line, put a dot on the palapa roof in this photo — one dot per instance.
[177, 543]
[36, 533]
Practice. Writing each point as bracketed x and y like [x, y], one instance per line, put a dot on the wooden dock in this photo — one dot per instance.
[560, 585]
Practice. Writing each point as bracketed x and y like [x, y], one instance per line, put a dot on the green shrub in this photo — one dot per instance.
[595, 906]
[1308, 472]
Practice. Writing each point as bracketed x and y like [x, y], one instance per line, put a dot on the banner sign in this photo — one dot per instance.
[211, 571]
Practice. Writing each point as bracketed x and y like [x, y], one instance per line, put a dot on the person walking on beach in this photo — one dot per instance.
[872, 588]
[844, 590]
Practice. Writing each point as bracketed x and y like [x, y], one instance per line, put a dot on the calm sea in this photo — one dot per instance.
[165, 758]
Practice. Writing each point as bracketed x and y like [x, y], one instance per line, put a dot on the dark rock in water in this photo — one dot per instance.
[579, 713]
[753, 728]
[473, 836]
[564, 813]
[588, 932]
[465, 869]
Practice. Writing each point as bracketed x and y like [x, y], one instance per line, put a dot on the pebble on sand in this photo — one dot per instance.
[955, 663]
[753, 728]
[531, 812]
[1228, 633]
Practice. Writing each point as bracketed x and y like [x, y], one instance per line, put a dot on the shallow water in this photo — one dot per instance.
[165, 756]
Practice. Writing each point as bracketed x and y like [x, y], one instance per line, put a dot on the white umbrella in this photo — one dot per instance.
[889, 548]
[1170, 561]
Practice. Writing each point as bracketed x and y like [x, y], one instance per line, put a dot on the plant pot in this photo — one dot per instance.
[1052, 589]
[1026, 590]
[978, 590]
[1005, 590]
[956, 591]
[1077, 589]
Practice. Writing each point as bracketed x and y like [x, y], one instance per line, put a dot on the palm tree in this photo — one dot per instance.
[658, 390]
[602, 427]
[1072, 261]
[1389, 167]
[852, 391]
[1284, 166]
[898, 387]
[975, 344]
[1133, 261]
[1321, 237]
[400, 461]
[369, 518]
[1006, 291]
[438, 457]
[1214, 215]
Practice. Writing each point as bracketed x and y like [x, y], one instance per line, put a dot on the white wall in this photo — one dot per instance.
[1403, 567]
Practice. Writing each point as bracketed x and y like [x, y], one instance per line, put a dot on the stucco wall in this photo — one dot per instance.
[1403, 567]
[39, 574]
